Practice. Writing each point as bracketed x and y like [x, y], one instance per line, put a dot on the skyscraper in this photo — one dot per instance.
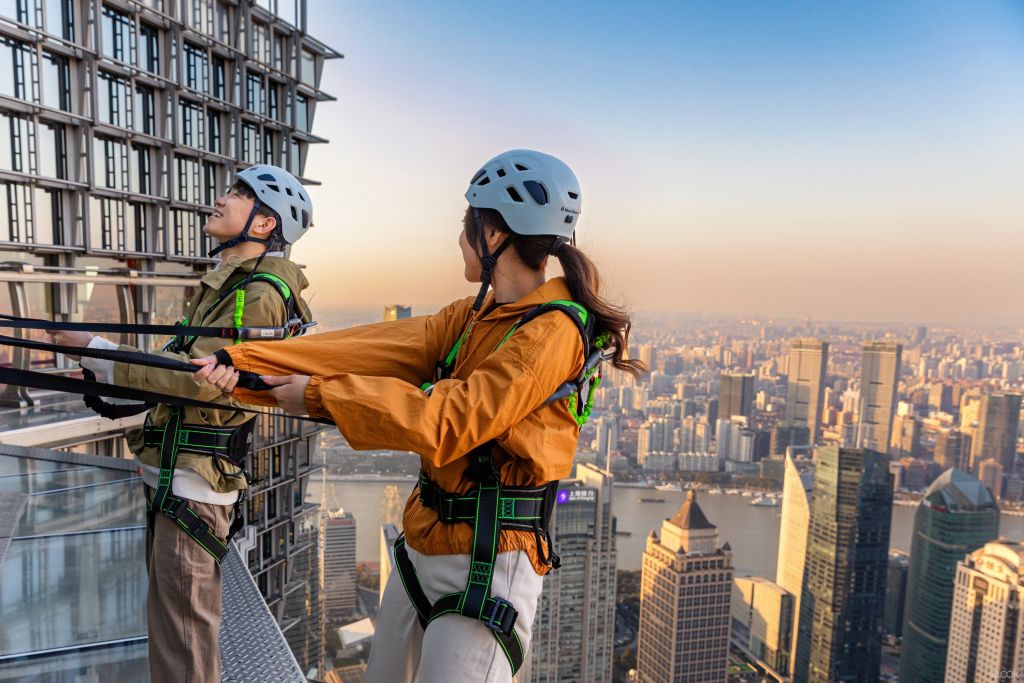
[879, 379]
[957, 515]
[843, 597]
[990, 472]
[685, 590]
[999, 421]
[123, 121]
[388, 535]
[953, 449]
[735, 395]
[339, 565]
[574, 627]
[895, 592]
[986, 640]
[808, 360]
[796, 515]
[762, 621]
[906, 437]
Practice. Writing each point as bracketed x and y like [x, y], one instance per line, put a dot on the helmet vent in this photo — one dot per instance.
[295, 214]
[501, 172]
[289, 191]
[266, 177]
[305, 218]
[514, 194]
[537, 191]
[485, 181]
[520, 167]
[574, 195]
[273, 188]
[479, 174]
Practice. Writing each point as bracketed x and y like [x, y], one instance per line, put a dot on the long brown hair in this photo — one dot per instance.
[580, 275]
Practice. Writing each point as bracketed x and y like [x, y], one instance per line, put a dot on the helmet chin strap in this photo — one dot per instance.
[244, 236]
[487, 259]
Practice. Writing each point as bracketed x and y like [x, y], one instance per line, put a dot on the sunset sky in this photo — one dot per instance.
[840, 160]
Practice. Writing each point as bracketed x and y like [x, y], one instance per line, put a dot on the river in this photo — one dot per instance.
[753, 532]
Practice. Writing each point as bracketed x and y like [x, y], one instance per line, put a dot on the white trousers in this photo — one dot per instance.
[454, 648]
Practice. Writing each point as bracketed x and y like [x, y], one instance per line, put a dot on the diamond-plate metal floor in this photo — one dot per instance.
[252, 647]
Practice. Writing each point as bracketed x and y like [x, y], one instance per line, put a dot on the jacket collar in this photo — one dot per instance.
[216, 278]
[555, 288]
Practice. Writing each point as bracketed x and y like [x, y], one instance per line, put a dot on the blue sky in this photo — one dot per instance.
[840, 160]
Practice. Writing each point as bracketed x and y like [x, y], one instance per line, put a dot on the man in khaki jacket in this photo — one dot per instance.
[190, 517]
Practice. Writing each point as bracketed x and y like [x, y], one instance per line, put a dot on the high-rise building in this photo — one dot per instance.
[879, 379]
[895, 592]
[762, 621]
[397, 312]
[843, 597]
[957, 515]
[796, 516]
[940, 397]
[735, 395]
[685, 590]
[123, 121]
[990, 472]
[574, 627]
[388, 535]
[986, 641]
[339, 566]
[998, 423]
[953, 449]
[808, 360]
[905, 441]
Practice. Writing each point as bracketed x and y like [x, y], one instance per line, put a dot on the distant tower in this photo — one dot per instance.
[953, 449]
[796, 514]
[985, 634]
[999, 422]
[735, 395]
[879, 379]
[843, 597]
[340, 566]
[990, 472]
[685, 590]
[808, 360]
[762, 621]
[388, 534]
[397, 312]
[574, 627]
[957, 515]
[896, 592]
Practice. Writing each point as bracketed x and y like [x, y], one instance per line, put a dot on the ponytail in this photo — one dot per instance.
[583, 281]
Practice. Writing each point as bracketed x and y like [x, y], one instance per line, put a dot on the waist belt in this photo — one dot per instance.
[221, 442]
[522, 508]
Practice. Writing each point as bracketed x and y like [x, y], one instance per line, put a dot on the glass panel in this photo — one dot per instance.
[115, 506]
[119, 662]
[97, 580]
[10, 465]
[42, 482]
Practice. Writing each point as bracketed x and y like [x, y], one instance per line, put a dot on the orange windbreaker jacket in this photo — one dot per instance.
[367, 379]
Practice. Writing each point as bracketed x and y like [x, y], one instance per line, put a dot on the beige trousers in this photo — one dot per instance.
[454, 648]
[183, 604]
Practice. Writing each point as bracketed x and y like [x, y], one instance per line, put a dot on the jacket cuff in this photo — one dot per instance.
[314, 406]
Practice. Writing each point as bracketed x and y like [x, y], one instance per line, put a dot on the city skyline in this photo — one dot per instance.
[880, 160]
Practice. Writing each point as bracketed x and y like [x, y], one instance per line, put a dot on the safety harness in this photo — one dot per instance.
[490, 507]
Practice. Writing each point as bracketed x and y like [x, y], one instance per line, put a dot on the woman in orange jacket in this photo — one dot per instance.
[490, 393]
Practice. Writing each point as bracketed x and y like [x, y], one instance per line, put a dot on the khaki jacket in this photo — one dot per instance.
[367, 379]
[263, 307]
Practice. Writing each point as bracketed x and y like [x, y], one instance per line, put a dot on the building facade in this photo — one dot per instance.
[843, 597]
[685, 591]
[574, 627]
[339, 566]
[122, 122]
[796, 517]
[762, 622]
[985, 633]
[998, 426]
[957, 515]
[735, 395]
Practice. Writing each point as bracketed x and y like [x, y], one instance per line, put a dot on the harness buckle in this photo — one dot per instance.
[446, 509]
[172, 506]
[495, 620]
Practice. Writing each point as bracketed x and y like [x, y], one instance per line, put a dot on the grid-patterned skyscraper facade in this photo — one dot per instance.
[735, 395]
[805, 392]
[121, 122]
[879, 380]
[997, 430]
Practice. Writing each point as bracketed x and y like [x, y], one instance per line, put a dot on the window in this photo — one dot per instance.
[219, 78]
[107, 223]
[254, 93]
[149, 48]
[273, 100]
[60, 18]
[49, 216]
[210, 173]
[281, 52]
[201, 18]
[184, 228]
[115, 101]
[14, 79]
[302, 113]
[138, 222]
[261, 43]
[213, 137]
[189, 118]
[223, 19]
[270, 153]
[250, 144]
[56, 82]
[110, 164]
[16, 213]
[52, 151]
[187, 173]
[142, 177]
[295, 159]
[145, 110]
[196, 68]
[15, 143]
[118, 36]
[308, 75]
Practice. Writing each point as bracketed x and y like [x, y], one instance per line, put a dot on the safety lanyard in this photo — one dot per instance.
[175, 330]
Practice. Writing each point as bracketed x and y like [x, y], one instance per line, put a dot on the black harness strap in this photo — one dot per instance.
[175, 330]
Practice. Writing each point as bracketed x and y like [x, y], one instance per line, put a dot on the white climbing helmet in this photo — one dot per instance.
[535, 193]
[279, 190]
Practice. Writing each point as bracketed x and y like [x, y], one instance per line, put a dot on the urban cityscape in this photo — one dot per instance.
[797, 500]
